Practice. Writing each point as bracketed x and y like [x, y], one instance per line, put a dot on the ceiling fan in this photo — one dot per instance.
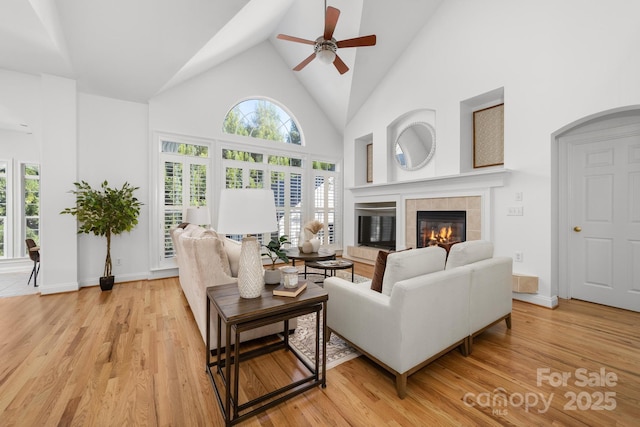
[325, 46]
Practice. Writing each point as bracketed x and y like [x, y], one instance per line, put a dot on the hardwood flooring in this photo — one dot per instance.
[134, 356]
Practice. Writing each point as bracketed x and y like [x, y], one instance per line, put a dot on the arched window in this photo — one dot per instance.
[261, 118]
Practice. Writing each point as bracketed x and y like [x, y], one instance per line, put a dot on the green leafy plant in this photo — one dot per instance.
[275, 250]
[105, 212]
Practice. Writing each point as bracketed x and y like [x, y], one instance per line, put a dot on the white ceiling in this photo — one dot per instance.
[135, 49]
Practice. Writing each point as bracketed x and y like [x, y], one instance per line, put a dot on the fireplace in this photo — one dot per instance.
[442, 228]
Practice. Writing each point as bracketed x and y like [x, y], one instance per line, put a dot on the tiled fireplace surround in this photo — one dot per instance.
[472, 192]
[471, 204]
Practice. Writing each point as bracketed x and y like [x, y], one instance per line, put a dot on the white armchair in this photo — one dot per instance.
[490, 295]
[424, 315]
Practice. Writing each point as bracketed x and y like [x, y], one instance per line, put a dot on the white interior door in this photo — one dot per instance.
[604, 213]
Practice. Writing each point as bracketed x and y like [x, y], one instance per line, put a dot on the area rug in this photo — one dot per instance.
[304, 338]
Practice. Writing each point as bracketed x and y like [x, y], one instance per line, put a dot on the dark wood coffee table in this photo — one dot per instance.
[331, 266]
[311, 257]
[240, 314]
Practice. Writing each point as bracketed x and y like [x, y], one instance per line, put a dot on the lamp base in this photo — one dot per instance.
[250, 270]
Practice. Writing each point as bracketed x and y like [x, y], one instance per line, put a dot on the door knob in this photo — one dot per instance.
[577, 229]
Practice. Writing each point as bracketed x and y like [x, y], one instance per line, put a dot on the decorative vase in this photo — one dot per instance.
[307, 247]
[315, 243]
[302, 237]
[250, 270]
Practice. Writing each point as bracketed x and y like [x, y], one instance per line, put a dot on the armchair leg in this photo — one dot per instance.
[401, 385]
[465, 347]
[508, 320]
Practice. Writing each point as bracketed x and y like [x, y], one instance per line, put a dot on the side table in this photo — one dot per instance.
[239, 315]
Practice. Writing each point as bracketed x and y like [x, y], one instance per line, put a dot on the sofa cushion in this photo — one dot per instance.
[378, 271]
[206, 244]
[469, 252]
[211, 259]
[407, 264]
[232, 248]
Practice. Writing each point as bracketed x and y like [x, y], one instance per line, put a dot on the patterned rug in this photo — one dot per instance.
[304, 337]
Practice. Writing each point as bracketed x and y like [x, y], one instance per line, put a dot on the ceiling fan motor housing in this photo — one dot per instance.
[323, 47]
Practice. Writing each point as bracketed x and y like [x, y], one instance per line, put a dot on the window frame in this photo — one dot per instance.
[158, 261]
[291, 118]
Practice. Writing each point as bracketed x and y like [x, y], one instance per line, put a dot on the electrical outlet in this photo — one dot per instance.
[518, 196]
[517, 256]
[515, 211]
[118, 261]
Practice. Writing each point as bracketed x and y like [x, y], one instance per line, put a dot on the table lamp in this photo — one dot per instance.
[248, 211]
[198, 215]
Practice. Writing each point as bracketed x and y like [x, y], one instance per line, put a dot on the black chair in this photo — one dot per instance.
[34, 254]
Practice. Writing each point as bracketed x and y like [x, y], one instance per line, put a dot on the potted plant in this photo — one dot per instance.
[275, 251]
[105, 212]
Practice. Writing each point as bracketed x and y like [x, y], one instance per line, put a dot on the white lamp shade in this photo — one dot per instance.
[247, 211]
[198, 215]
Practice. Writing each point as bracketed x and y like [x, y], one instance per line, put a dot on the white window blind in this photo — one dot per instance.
[185, 170]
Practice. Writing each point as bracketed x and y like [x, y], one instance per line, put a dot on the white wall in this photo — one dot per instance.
[112, 146]
[198, 107]
[58, 253]
[557, 62]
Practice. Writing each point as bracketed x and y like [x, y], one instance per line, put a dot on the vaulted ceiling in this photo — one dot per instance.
[135, 49]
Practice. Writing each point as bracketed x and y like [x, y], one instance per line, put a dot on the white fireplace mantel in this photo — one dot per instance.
[476, 183]
[465, 181]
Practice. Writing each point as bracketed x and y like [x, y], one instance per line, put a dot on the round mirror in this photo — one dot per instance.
[415, 145]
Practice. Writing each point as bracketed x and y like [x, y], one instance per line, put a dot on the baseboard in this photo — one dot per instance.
[545, 301]
[58, 288]
[120, 278]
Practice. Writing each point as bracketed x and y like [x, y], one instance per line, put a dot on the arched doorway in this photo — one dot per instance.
[596, 171]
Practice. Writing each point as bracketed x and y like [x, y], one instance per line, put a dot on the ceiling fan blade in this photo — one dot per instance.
[330, 21]
[358, 41]
[294, 39]
[304, 63]
[340, 65]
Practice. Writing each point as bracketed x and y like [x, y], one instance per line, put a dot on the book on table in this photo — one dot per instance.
[281, 291]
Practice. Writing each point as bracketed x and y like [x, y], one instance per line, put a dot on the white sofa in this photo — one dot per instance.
[427, 306]
[207, 259]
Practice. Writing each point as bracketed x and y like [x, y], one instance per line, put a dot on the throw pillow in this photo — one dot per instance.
[405, 265]
[378, 271]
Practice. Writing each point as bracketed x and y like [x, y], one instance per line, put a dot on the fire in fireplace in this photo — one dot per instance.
[442, 228]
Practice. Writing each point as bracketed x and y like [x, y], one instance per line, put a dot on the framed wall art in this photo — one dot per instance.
[488, 136]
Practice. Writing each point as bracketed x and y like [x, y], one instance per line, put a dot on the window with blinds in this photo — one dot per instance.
[185, 169]
[31, 201]
[19, 220]
[282, 174]
[325, 200]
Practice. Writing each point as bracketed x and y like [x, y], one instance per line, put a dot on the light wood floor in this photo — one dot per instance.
[134, 356]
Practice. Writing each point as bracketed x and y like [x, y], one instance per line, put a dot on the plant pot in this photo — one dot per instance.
[272, 277]
[106, 283]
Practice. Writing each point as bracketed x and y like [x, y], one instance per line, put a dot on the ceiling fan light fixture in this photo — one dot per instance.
[326, 56]
[326, 51]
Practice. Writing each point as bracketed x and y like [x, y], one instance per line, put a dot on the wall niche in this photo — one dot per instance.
[482, 102]
[425, 121]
